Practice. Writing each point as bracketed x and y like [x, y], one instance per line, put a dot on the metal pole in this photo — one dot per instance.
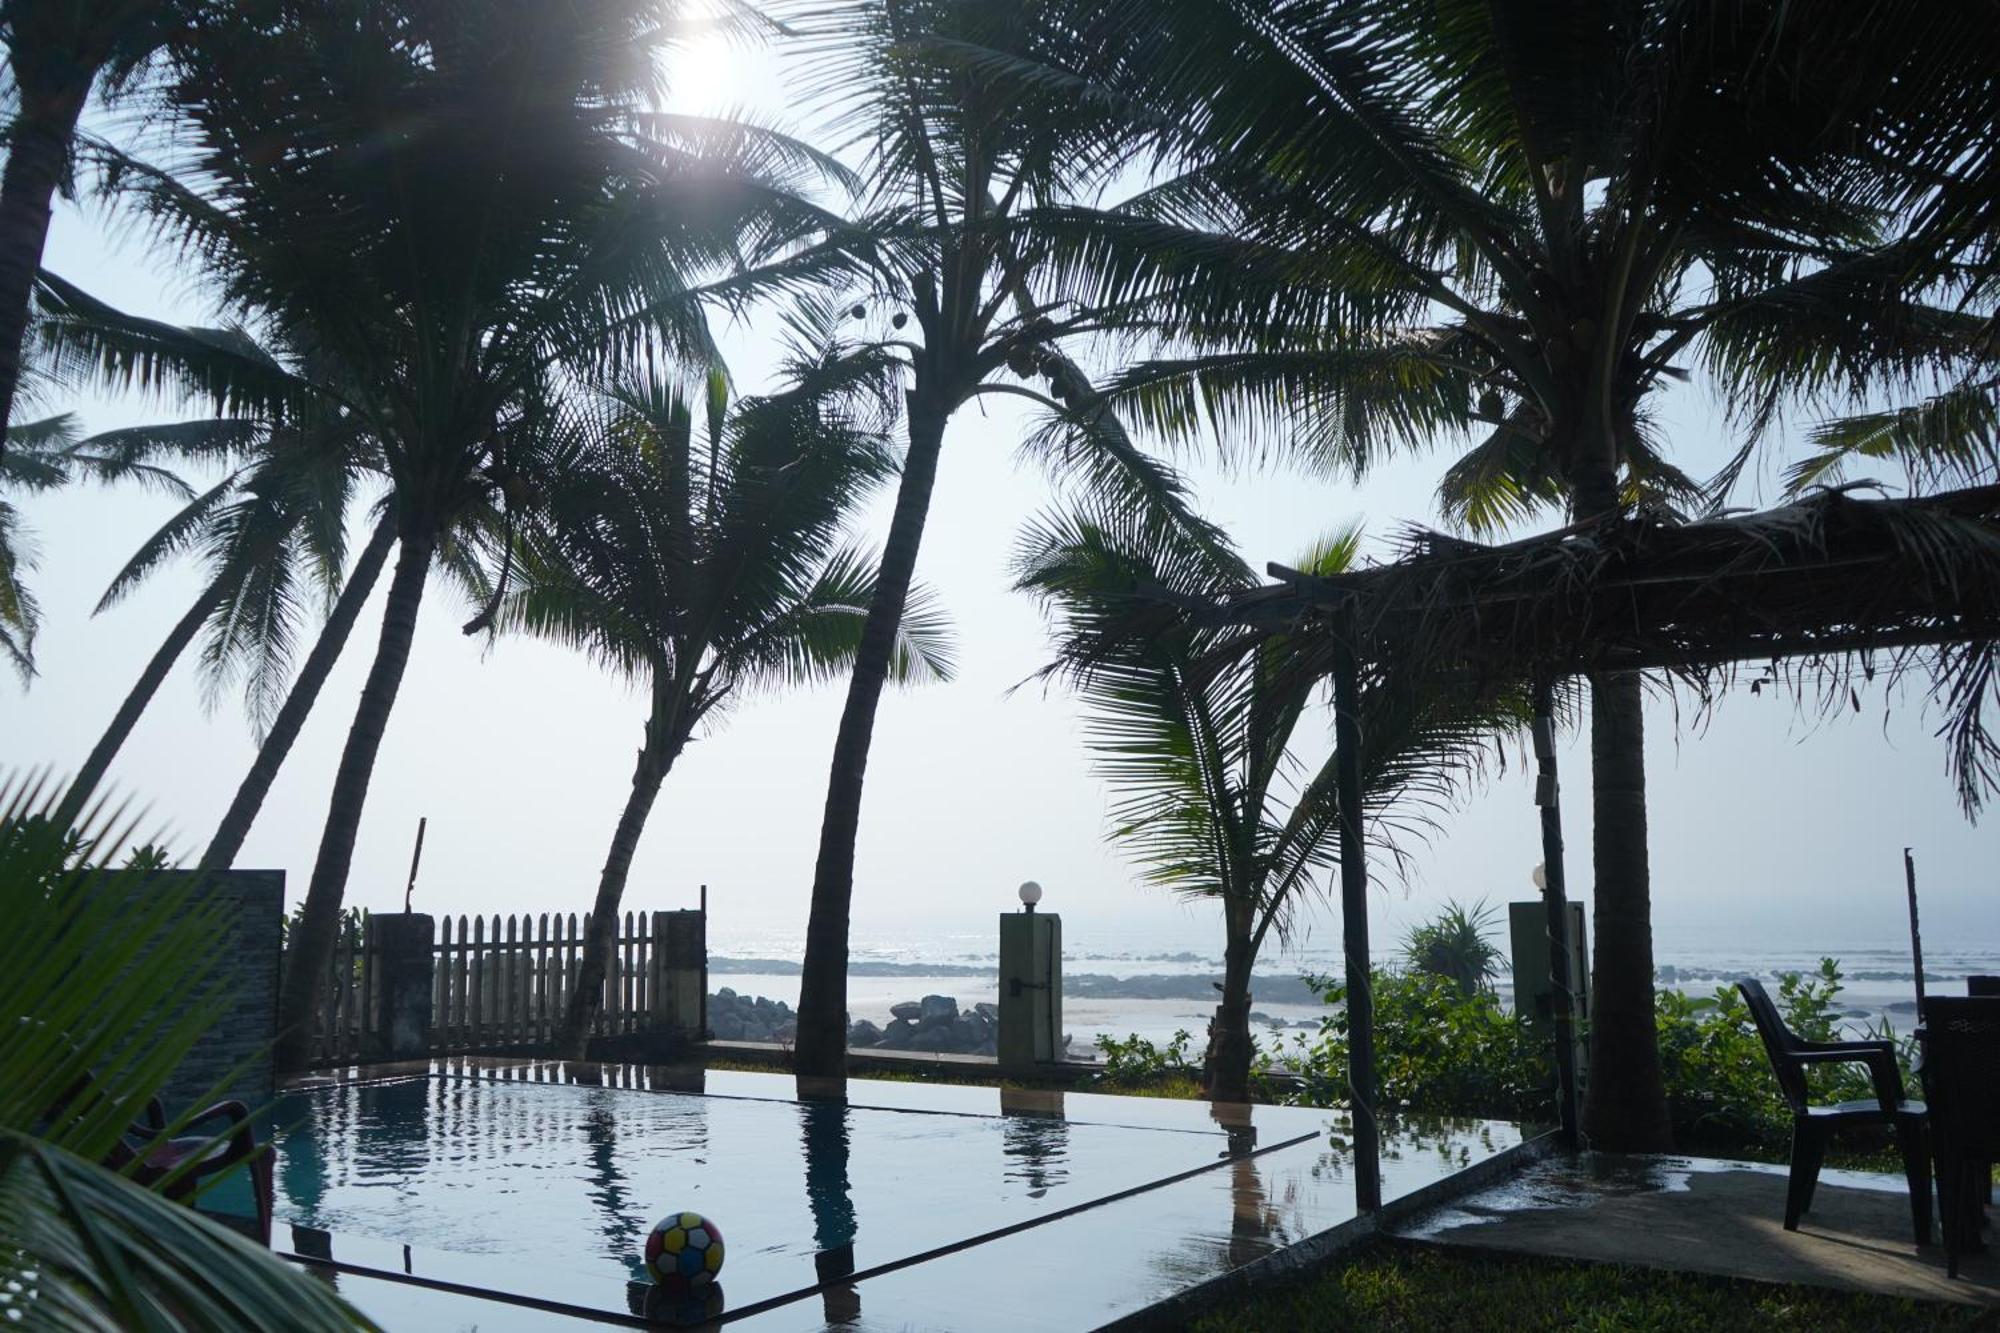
[1916, 938]
[416, 859]
[1354, 931]
[1562, 1001]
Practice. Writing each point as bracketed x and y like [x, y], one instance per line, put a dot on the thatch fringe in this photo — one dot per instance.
[1825, 591]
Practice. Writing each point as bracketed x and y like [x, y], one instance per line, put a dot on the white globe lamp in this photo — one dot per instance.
[1031, 893]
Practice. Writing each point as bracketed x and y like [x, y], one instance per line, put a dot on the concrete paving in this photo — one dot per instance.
[1708, 1216]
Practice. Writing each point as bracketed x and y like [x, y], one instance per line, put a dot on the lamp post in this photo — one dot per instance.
[1031, 893]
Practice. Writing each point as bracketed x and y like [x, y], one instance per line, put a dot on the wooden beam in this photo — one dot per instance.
[1354, 932]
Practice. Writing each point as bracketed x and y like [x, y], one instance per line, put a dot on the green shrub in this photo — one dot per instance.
[1440, 1051]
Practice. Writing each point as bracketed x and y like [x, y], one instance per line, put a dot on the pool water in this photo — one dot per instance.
[547, 1190]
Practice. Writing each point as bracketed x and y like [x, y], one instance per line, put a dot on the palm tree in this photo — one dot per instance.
[258, 530]
[1454, 946]
[1202, 742]
[1392, 221]
[951, 165]
[35, 460]
[57, 51]
[456, 205]
[297, 455]
[703, 573]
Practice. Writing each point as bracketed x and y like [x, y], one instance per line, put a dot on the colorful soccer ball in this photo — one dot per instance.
[684, 1253]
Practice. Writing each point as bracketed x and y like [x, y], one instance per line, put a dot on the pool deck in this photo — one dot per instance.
[1705, 1215]
[1239, 1191]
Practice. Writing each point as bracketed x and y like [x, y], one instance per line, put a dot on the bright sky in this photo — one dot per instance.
[1765, 826]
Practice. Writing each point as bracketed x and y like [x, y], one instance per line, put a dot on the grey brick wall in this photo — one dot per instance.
[246, 958]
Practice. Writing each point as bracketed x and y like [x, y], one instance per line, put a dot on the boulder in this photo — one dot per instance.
[863, 1034]
[937, 1009]
[725, 994]
[897, 1036]
[987, 1009]
[908, 1009]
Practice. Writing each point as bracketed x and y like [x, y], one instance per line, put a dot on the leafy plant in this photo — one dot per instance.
[1223, 790]
[1134, 1061]
[106, 984]
[1454, 946]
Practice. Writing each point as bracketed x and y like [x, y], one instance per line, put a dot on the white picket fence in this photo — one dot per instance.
[496, 983]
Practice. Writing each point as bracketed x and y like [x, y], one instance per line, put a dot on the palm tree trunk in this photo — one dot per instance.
[1625, 1108]
[1226, 1068]
[99, 761]
[663, 744]
[36, 158]
[1625, 1105]
[822, 1034]
[313, 940]
[271, 755]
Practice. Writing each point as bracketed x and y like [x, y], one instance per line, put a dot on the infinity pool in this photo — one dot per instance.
[543, 1192]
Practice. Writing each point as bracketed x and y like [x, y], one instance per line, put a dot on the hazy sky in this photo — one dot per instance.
[1764, 824]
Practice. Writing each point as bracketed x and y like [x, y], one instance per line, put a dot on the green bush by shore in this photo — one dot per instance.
[1443, 1049]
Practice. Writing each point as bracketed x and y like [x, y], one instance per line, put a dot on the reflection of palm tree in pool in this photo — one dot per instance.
[829, 1194]
[624, 1236]
[1251, 1218]
[303, 1127]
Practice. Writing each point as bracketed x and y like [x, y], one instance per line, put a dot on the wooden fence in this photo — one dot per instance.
[497, 983]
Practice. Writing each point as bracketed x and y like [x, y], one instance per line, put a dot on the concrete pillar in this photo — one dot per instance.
[1534, 969]
[403, 964]
[680, 981]
[1030, 990]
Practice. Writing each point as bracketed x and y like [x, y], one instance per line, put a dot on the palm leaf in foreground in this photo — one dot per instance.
[106, 985]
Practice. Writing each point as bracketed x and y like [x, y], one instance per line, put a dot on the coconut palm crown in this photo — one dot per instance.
[708, 570]
[1222, 792]
[1384, 225]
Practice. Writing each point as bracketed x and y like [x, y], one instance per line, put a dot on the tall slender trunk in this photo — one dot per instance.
[36, 158]
[1625, 1106]
[271, 755]
[1226, 1068]
[98, 763]
[313, 940]
[1625, 1103]
[822, 1035]
[665, 737]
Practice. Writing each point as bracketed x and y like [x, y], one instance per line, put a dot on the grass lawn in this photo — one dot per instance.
[1419, 1288]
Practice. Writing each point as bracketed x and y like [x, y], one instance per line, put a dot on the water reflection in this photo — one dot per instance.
[1035, 1141]
[827, 1139]
[623, 1235]
[1251, 1217]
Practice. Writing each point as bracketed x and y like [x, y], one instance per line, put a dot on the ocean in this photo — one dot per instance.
[1118, 986]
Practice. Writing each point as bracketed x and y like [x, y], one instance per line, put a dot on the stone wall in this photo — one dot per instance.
[245, 959]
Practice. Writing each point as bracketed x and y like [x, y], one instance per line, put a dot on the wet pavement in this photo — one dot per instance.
[515, 1196]
[1706, 1215]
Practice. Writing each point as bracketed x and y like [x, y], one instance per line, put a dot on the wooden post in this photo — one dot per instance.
[1562, 1002]
[1354, 929]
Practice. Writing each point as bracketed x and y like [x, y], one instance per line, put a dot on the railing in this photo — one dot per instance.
[496, 983]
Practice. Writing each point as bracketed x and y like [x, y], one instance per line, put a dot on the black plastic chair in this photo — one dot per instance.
[1961, 1072]
[1813, 1125]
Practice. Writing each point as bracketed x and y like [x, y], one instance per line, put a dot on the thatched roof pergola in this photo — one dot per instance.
[1827, 589]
